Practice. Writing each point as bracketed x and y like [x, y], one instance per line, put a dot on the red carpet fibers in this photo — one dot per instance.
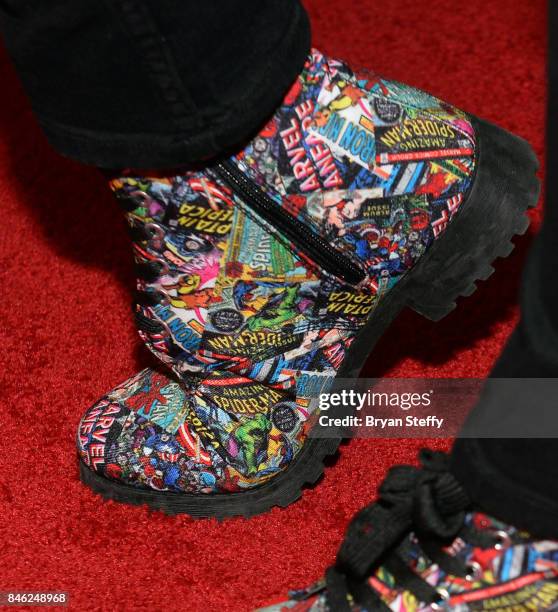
[67, 335]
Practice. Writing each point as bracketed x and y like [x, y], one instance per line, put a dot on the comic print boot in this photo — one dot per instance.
[264, 275]
[422, 546]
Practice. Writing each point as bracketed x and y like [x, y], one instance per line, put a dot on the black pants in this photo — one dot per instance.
[510, 478]
[153, 83]
[158, 83]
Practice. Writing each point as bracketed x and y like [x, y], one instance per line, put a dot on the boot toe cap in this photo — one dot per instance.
[136, 436]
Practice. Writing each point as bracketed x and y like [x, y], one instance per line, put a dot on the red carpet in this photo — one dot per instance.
[67, 335]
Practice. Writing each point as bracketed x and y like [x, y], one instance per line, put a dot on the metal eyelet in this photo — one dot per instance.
[139, 193]
[155, 230]
[131, 200]
[474, 571]
[503, 540]
[163, 267]
[164, 298]
[440, 603]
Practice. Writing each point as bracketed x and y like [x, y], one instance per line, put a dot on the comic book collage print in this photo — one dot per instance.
[250, 326]
[520, 576]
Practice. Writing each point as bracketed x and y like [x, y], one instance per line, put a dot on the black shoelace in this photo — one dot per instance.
[427, 501]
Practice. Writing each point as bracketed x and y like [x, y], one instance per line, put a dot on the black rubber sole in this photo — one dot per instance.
[505, 187]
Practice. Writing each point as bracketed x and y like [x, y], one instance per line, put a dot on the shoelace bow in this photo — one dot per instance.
[428, 501]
